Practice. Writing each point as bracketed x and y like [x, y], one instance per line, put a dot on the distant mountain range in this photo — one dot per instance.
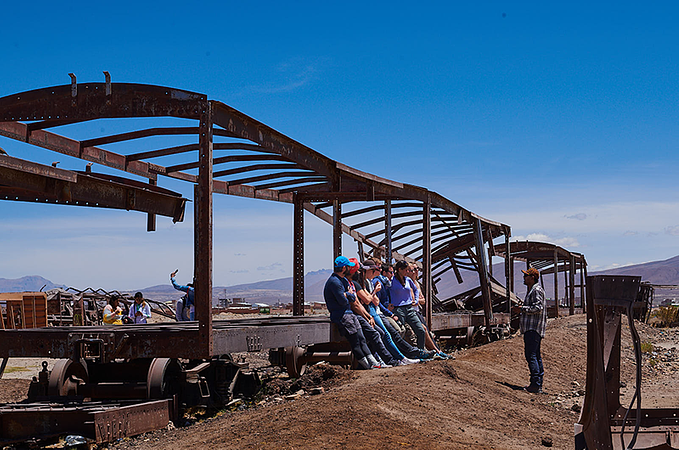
[28, 283]
[280, 290]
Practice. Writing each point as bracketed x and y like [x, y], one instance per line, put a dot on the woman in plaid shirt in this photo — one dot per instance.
[533, 323]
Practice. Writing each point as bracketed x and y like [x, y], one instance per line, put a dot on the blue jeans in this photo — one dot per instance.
[387, 340]
[407, 314]
[532, 340]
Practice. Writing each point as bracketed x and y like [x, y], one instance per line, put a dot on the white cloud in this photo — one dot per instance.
[630, 233]
[565, 242]
[672, 230]
[578, 216]
[292, 74]
[607, 218]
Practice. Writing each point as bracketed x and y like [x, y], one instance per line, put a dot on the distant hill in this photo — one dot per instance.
[656, 272]
[28, 283]
[280, 290]
[269, 291]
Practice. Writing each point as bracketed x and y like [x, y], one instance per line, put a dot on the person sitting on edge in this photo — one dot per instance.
[113, 313]
[418, 303]
[401, 292]
[341, 305]
[189, 299]
[373, 334]
[384, 280]
[389, 336]
[140, 310]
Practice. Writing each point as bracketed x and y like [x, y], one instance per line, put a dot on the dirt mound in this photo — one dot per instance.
[319, 375]
[473, 402]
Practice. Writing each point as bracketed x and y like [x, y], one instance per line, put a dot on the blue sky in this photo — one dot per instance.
[557, 119]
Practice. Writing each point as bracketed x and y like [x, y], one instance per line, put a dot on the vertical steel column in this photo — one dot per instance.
[151, 220]
[298, 256]
[490, 257]
[582, 286]
[508, 272]
[511, 274]
[336, 229]
[586, 298]
[483, 272]
[556, 282]
[387, 230]
[571, 276]
[203, 235]
[426, 259]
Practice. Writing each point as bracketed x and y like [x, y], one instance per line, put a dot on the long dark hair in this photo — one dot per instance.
[398, 266]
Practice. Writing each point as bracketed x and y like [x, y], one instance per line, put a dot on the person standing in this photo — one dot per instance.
[533, 322]
[140, 310]
[188, 301]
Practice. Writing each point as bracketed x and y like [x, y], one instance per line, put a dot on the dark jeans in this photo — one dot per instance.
[372, 335]
[532, 340]
[350, 328]
[407, 314]
[403, 345]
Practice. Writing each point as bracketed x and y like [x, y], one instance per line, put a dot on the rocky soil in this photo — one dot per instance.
[472, 402]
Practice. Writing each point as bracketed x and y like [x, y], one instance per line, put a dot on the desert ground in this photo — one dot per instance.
[472, 402]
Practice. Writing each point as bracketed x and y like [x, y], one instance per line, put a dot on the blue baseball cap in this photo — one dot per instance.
[342, 261]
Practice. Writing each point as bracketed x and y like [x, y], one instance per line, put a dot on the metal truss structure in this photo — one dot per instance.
[549, 259]
[228, 152]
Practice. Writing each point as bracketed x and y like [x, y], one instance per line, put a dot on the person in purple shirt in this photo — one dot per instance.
[401, 293]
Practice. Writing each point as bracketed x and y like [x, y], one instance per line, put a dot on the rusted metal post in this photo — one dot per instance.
[151, 222]
[508, 272]
[511, 274]
[586, 298]
[582, 286]
[298, 256]
[203, 234]
[556, 282]
[490, 257]
[483, 272]
[571, 276]
[336, 229]
[387, 230]
[426, 260]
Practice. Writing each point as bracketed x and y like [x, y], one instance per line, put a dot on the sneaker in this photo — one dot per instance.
[406, 361]
[427, 354]
[385, 365]
[444, 356]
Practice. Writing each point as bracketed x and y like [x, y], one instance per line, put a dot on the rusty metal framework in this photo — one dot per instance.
[604, 423]
[228, 152]
[549, 259]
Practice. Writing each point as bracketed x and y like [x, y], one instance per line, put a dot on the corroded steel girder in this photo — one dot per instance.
[27, 181]
[88, 101]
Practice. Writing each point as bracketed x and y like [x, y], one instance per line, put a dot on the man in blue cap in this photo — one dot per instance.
[341, 304]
